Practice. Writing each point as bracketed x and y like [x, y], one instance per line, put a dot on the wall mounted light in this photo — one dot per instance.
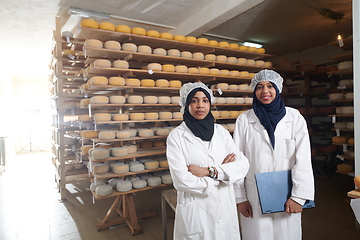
[250, 44]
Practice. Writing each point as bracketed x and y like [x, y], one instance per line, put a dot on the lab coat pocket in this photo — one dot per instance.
[290, 148]
[187, 218]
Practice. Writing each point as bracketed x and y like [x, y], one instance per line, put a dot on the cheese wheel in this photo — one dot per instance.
[210, 57]
[165, 115]
[243, 87]
[99, 100]
[234, 46]
[85, 149]
[222, 86]
[102, 117]
[120, 117]
[204, 70]
[250, 62]
[153, 33]
[158, 143]
[339, 110]
[351, 141]
[139, 184]
[166, 179]
[186, 54]
[146, 144]
[135, 99]
[138, 31]
[346, 82]
[146, 133]
[173, 53]
[224, 72]
[103, 190]
[120, 168]
[132, 82]
[94, 43]
[204, 41]
[345, 65]
[239, 100]
[339, 139]
[137, 116]
[123, 186]
[107, 26]
[213, 43]
[144, 49]
[214, 71]
[233, 87]
[164, 99]
[175, 84]
[242, 61]
[193, 70]
[220, 100]
[150, 99]
[216, 114]
[147, 83]
[168, 68]
[350, 125]
[117, 99]
[123, 134]
[129, 47]
[89, 134]
[231, 126]
[175, 99]
[198, 56]
[131, 149]
[151, 165]
[349, 95]
[251, 76]
[232, 60]
[230, 100]
[162, 132]
[117, 81]
[224, 44]
[100, 168]
[163, 163]
[122, 64]
[252, 49]
[159, 51]
[268, 64]
[166, 35]
[119, 152]
[123, 28]
[89, 23]
[348, 110]
[137, 167]
[224, 114]
[177, 115]
[84, 102]
[154, 181]
[260, 50]
[340, 125]
[106, 135]
[102, 63]
[181, 68]
[259, 63]
[154, 66]
[244, 74]
[243, 48]
[248, 100]
[85, 118]
[100, 154]
[190, 39]
[98, 80]
[151, 116]
[180, 38]
[162, 83]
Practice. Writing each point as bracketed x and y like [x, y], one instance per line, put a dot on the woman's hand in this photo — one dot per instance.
[292, 207]
[198, 171]
[245, 209]
[229, 158]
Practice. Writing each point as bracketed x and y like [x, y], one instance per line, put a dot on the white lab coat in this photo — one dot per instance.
[292, 151]
[206, 208]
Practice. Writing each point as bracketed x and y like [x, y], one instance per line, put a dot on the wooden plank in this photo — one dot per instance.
[343, 57]
[97, 140]
[346, 71]
[113, 175]
[354, 193]
[139, 153]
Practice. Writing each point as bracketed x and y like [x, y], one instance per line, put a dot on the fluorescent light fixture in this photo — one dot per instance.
[88, 13]
[250, 44]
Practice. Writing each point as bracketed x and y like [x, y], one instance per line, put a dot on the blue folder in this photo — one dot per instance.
[274, 190]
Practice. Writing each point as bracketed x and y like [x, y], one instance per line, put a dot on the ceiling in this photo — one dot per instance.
[282, 26]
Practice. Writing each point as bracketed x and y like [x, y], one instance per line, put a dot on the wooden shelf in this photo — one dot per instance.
[139, 153]
[342, 100]
[112, 175]
[343, 57]
[346, 71]
[97, 140]
[344, 130]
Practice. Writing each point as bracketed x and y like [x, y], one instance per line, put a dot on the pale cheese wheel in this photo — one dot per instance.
[232, 60]
[221, 58]
[85, 118]
[132, 82]
[248, 100]
[222, 86]
[153, 33]
[162, 132]
[259, 63]
[166, 35]
[138, 31]
[151, 116]
[162, 83]
[243, 48]
[98, 80]
[165, 115]
[123, 28]
[144, 49]
[103, 190]
[190, 39]
[224, 72]
[181, 68]
[123, 134]
[166, 179]
[147, 83]
[131, 149]
[120, 117]
[224, 114]
[122, 64]
[123, 186]
[100, 168]
[168, 68]
[213, 43]
[242, 61]
[151, 165]
[119, 152]
[113, 45]
[268, 64]
[339, 110]
[163, 163]
[346, 82]
[250, 62]
[137, 116]
[350, 125]
[340, 125]
[216, 114]
[146, 133]
[244, 74]
[139, 184]
[224, 44]
[243, 87]
[93, 186]
[177, 115]
[221, 100]
[99, 182]
[230, 100]
[204, 41]
[120, 168]
[117, 81]
[164, 99]
[175, 84]
[137, 167]
[102, 117]
[159, 51]
[198, 56]
[175, 99]
[117, 99]
[94, 43]
[233, 87]
[239, 100]
[106, 135]
[135, 99]
[204, 70]
[89, 23]
[349, 95]
[173, 53]
[154, 181]
[214, 71]
[99, 100]
[231, 126]
[129, 47]
[107, 26]
[89, 134]
[150, 99]
[348, 110]
[193, 70]
[186, 54]
[210, 57]
[102, 63]
[345, 65]
[154, 66]
[85, 149]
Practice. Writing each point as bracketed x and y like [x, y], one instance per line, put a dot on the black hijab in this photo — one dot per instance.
[202, 128]
[269, 114]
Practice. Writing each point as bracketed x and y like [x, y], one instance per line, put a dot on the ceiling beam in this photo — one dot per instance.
[213, 15]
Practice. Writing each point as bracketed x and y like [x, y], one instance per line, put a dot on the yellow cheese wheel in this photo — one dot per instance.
[137, 116]
[216, 114]
[135, 99]
[179, 38]
[193, 70]
[175, 83]
[252, 49]
[146, 133]
[106, 135]
[123, 134]
[261, 50]
[164, 164]
[234, 114]
[151, 165]
[94, 43]
[107, 26]
[174, 53]
[132, 82]
[244, 74]
[98, 80]
[123, 28]
[85, 149]
[351, 141]
[117, 81]
[85, 118]
[234, 46]
[224, 114]
[213, 43]
[99, 100]
[154, 66]
[165, 115]
[224, 72]
[181, 68]
[251, 75]
[102, 117]
[166, 35]
[147, 83]
[168, 68]
[202, 41]
[214, 71]
[150, 99]
[204, 70]
[89, 134]
[153, 33]
[122, 64]
[120, 117]
[151, 116]
[268, 64]
[339, 139]
[162, 83]
[102, 63]
[138, 31]
[243, 48]
[89, 23]
[224, 44]
[190, 39]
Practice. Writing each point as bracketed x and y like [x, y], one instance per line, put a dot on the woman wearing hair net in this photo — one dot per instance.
[204, 163]
[273, 138]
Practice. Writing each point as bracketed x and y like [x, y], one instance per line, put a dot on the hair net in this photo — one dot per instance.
[187, 88]
[267, 75]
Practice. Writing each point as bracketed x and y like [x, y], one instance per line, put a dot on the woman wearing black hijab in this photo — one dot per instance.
[273, 138]
[204, 164]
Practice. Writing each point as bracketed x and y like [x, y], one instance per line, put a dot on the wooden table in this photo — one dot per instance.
[167, 196]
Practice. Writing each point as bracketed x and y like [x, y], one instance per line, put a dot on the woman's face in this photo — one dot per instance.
[265, 92]
[199, 106]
